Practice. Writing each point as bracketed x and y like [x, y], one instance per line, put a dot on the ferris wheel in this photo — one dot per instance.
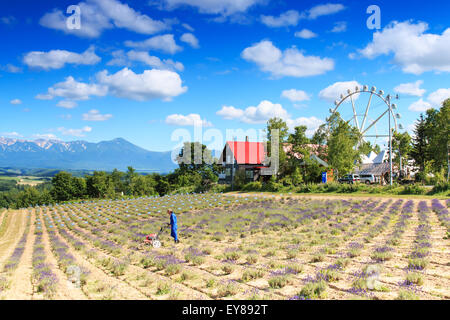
[369, 111]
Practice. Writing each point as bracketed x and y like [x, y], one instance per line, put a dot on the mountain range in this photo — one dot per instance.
[82, 155]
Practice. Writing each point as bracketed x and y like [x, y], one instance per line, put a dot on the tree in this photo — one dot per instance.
[342, 140]
[420, 143]
[401, 147]
[197, 167]
[431, 141]
[162, 185]
[277, 123]
[298, 139]
[310, 171]
[98, 185]
[130, 180]
[117, 178]
[78, 188]
[438, 129]
[62, 186]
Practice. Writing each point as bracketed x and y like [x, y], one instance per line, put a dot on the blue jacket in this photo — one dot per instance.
[173, 225]
[173, 222]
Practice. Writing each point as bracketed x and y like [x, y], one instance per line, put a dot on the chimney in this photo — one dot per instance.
[246, 138]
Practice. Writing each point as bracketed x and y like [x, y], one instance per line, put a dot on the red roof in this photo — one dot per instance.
[247, 152]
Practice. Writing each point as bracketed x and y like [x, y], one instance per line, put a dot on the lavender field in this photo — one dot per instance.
[231, 247]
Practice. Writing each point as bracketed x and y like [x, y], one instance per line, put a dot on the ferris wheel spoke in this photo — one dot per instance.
[373, 123]
[365, 113]
[354, 112]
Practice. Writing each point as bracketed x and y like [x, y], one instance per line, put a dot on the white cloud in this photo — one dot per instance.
[11, 134]
[190, 39]
[265, 111]
[67, 104]
[56, 59]
[412, 89]
[339, 27]
[16, 101]
[12, 68]
[43, 96]
[187, 27]
[192, 119]
[333, 92]
[288, 18]
[74, 90]
[295, 95]
[305, 34]
[95, 115]
[420, 106]
[324, 10]
[230, 113]
[119, 59]
[434, 100]
[222, 7]
[292, 17]
[45, 136]
[100, 15]
[312, 124]
[414, 50]
[75, 132]
[153, 61]
[151, 84]
[291, 62]
[437, 97]
[165, 43]
[259, 114]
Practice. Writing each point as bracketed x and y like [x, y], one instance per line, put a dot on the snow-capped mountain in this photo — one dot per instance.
[104, 155]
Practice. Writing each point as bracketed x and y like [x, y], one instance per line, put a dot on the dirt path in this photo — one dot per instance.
[63, 291]
[21, 287]
[439, 259]
[119, 289]
[2, 215]
[14, 230]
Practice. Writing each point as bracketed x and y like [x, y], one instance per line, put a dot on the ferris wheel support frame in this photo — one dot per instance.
[361, 129]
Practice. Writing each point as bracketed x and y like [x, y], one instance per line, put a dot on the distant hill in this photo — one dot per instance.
[82, 155]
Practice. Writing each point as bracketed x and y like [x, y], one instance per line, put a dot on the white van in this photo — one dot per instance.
[368, 178]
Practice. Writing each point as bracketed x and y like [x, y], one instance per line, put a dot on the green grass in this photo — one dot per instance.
[314, 290]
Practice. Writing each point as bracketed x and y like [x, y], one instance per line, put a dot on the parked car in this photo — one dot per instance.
[349, 178]
[369, 179]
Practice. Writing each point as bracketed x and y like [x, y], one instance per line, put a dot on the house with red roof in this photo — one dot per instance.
[246, 156]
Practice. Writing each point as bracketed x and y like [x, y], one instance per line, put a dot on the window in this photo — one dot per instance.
[228, 172]
[249, 174]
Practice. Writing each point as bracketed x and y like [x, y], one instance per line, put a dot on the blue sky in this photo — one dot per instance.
[143, 69]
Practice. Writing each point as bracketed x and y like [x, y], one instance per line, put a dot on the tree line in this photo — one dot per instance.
[336, 142]
[113, 185]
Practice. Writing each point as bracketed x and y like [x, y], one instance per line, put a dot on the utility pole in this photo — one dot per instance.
[448, 161]
[390, 144]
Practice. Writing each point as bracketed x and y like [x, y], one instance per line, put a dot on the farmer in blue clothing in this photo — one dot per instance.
[173, 225]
